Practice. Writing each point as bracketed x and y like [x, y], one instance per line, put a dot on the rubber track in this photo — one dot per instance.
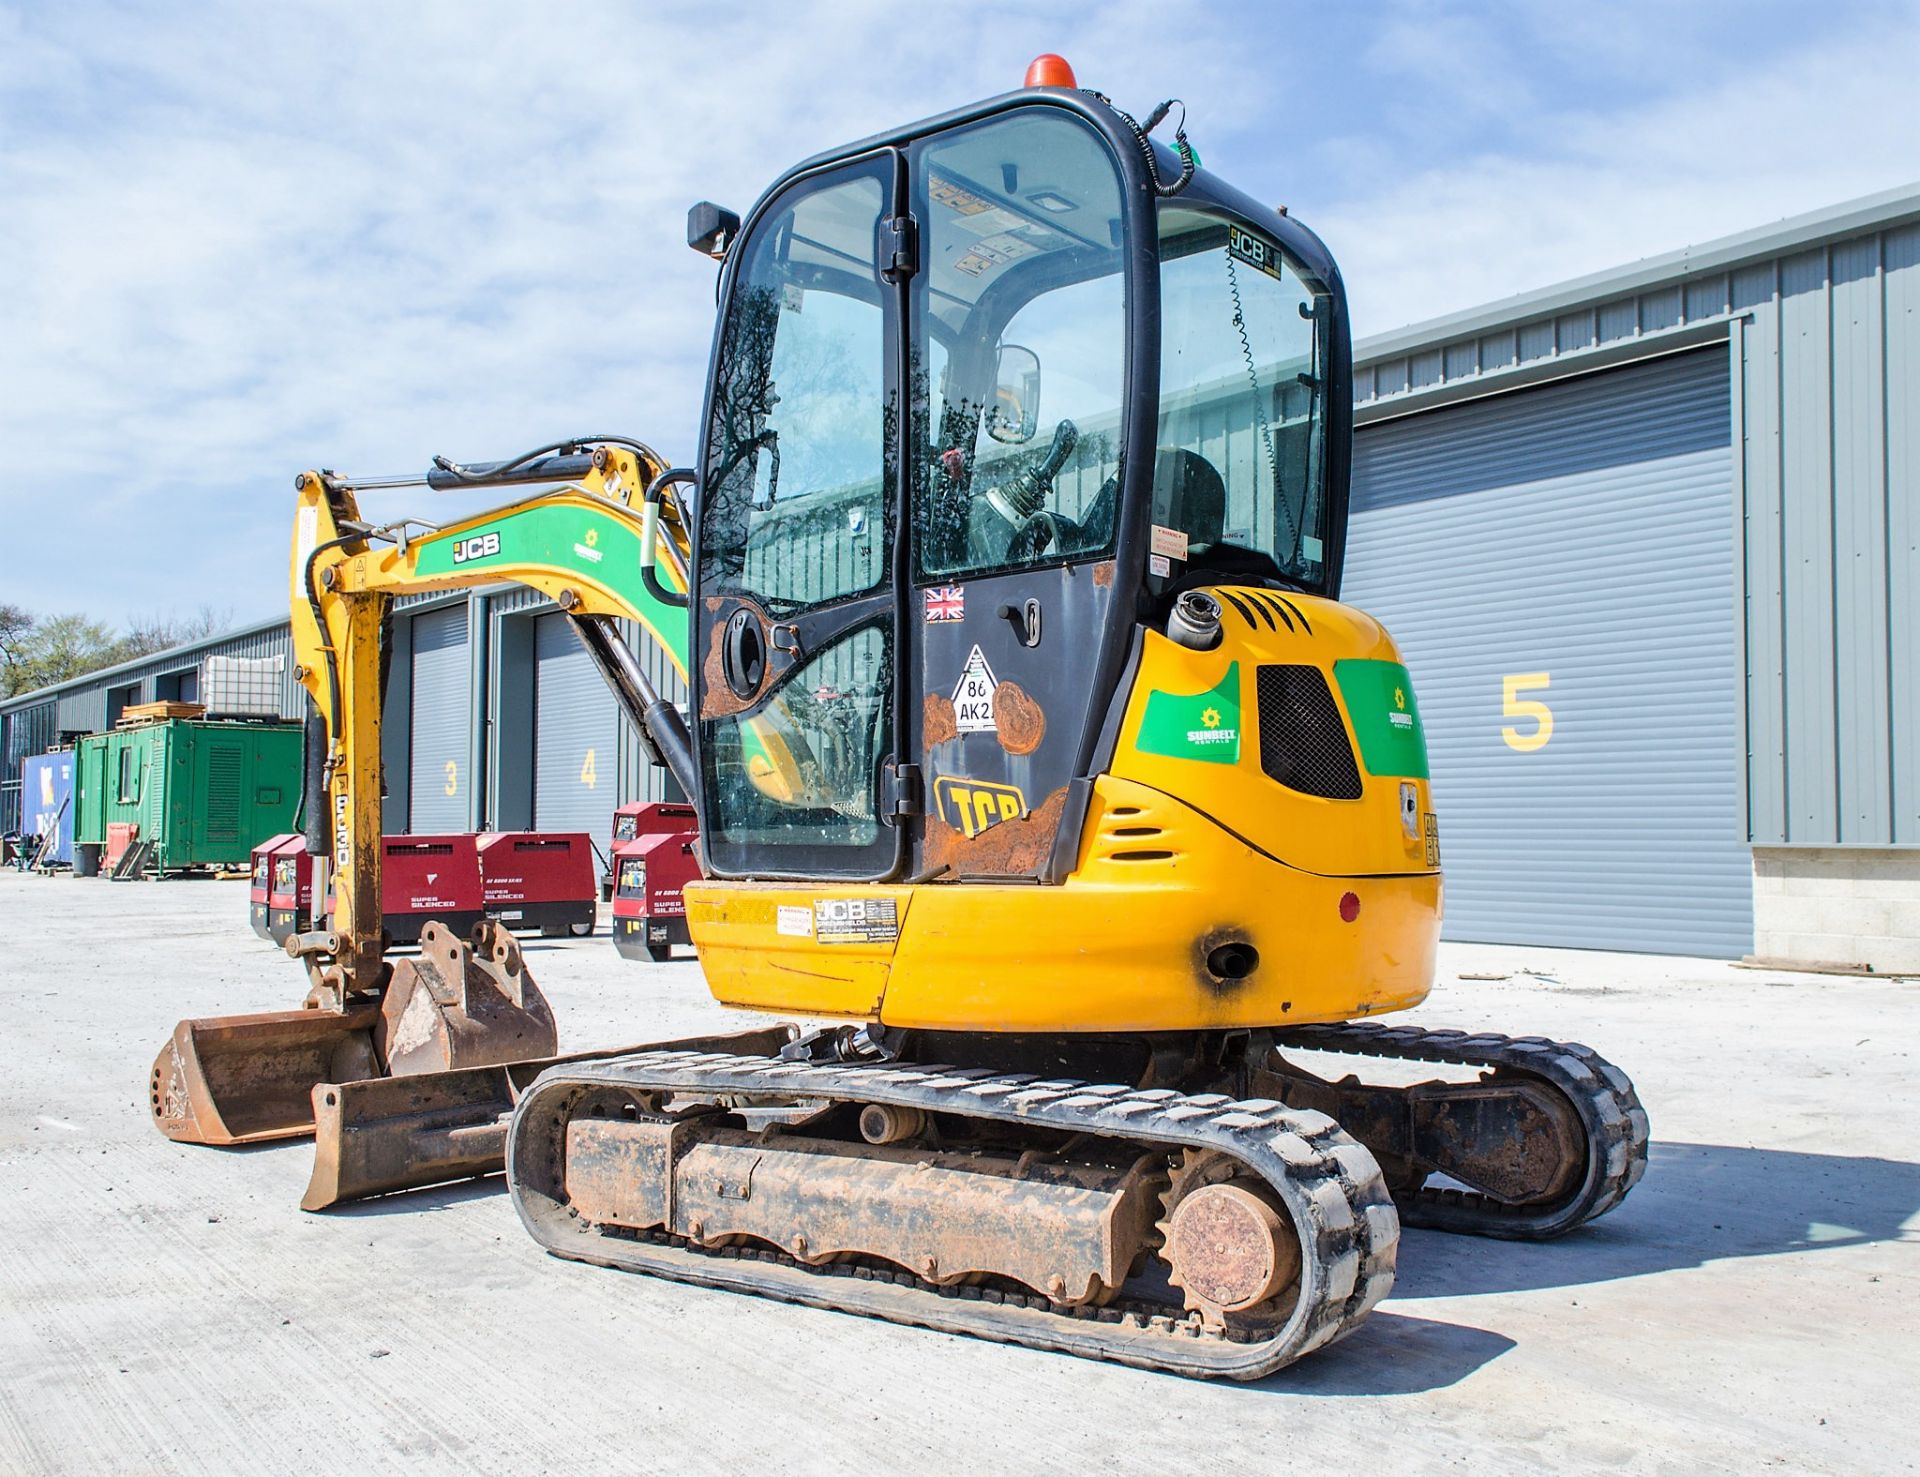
[1600, 1093]
[1330, 1184]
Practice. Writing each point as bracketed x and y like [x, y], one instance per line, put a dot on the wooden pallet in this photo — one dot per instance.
[141, 713]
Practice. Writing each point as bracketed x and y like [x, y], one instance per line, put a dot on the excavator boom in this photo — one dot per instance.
[459, 1004]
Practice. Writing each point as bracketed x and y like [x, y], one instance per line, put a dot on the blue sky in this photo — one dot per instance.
[238, 240]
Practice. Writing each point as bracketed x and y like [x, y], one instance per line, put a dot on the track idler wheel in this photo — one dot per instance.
[463, 1003]
[1229, 1249]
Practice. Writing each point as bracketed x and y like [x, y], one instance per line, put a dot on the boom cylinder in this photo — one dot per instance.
[660, 724]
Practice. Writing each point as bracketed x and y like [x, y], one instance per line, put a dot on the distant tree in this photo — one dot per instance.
[16, 630]
[148, 634]
[65, 646]
[38, 652]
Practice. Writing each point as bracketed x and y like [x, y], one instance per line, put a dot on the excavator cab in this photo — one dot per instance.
[985, 397]
[1007, 413]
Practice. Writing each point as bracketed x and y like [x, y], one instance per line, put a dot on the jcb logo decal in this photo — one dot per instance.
[970, 806]
[478, 546]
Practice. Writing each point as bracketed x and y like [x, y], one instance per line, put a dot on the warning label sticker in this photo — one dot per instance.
[794, 922]
[973, 695]
[855, 920]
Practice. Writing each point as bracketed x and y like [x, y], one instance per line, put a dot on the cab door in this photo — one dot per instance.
[1020, 319]
[795, 612]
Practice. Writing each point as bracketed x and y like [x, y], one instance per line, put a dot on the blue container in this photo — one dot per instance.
[46, 802]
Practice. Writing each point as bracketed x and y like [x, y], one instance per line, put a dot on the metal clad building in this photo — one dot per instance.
[1570, 547]
[32, 722]
[1672, 510]
[1812, 326]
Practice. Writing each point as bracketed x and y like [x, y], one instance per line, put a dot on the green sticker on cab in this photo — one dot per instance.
[1200, 725]
[1385, 718]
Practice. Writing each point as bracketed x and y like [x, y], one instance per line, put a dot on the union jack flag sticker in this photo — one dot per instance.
[947, 603]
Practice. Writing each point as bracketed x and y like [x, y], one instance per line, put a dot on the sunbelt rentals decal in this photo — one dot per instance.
[1201, 725]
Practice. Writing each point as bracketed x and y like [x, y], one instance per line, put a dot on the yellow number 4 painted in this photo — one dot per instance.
[453, 777]
[1512, 705]
[588, 774]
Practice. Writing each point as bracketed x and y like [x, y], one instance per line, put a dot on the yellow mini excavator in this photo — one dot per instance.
[1029, 739]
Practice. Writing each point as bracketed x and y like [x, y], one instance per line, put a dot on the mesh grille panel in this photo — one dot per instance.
[223, 793]
[1303, 743]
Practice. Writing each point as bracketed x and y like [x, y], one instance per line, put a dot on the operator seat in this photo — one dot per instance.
[1189, 495]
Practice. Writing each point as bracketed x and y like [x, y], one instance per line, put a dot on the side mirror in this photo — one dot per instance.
[1013, 416]
[711, 229]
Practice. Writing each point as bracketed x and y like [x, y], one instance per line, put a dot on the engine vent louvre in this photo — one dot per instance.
[223, 793]
[1303, 743]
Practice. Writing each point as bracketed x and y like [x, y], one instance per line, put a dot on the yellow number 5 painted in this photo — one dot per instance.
[453, 777]
[1512, 705]
[588, 774]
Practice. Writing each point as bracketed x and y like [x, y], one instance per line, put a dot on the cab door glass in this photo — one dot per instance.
[796, 517]
[1023, 291]
[795, 508]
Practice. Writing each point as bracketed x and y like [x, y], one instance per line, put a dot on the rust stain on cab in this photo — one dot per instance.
[938, 723]
[1019, 719]
[1008, 849]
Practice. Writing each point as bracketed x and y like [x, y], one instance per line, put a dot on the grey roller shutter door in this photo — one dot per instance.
[441, 722]
[576, 730]
[1584, 531]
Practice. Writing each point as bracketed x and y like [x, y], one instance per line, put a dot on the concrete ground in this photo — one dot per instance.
[1755, 1304]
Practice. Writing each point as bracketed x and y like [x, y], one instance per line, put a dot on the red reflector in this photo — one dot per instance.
[1349, 906]
[1049, 70]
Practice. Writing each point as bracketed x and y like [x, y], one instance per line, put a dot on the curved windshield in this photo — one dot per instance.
[1239, 483]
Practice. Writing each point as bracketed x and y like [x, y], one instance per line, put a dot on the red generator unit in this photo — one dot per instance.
[289, 889]
[429, 877]
[658, 815]
[649, 870]
[543, 880]
[260, 885]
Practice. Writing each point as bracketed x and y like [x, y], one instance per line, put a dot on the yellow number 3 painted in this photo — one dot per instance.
[453, 777]
[1512, 705]
[588, 774]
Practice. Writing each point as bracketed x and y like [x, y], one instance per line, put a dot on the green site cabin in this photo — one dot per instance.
[203, 793]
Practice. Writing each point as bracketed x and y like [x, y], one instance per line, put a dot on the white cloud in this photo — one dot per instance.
[1602, 184]
[239, 240]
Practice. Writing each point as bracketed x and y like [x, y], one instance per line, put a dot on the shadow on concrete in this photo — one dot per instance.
[1699, 1203]
[1392, 1354]
[413, 1202]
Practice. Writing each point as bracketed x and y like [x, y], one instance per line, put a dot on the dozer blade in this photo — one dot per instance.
[401, 1133]
[243, 1079]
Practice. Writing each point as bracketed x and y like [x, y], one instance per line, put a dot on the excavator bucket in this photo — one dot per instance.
[461, 1003]
[244, 1079]
[401, 1133]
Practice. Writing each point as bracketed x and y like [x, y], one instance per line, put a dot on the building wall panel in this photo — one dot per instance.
[1806, 513]
[1901, 420]
[1862, 760]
